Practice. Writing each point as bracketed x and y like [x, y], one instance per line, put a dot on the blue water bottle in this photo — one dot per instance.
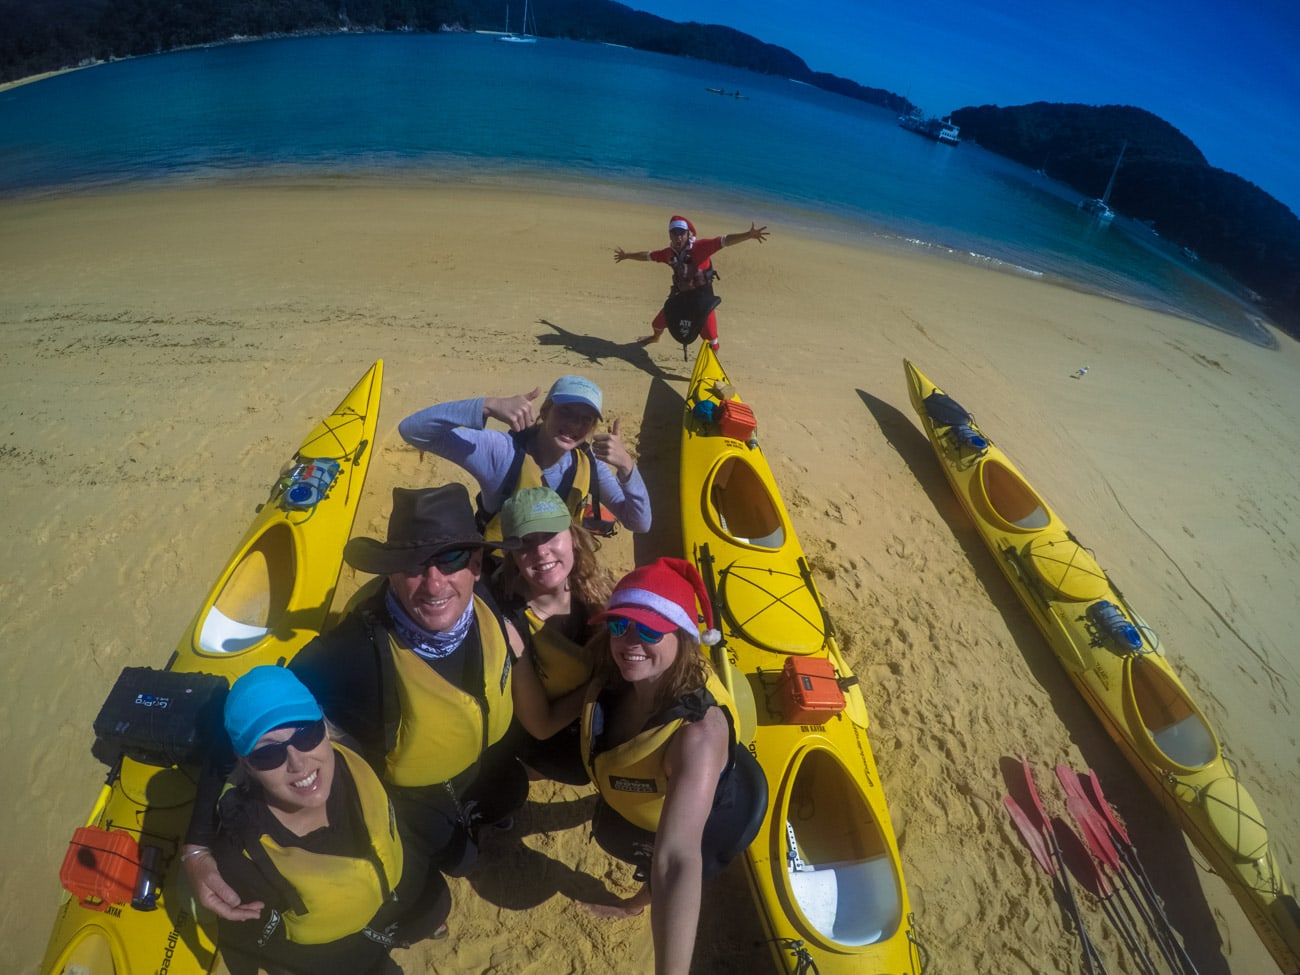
[966, 434]
[308, 483]
[1113, 624]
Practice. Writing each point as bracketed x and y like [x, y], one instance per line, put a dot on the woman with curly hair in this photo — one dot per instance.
[550, 585]
[680, 796]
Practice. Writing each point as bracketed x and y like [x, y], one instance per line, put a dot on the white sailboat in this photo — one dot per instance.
[1100, 206]
[525, 37]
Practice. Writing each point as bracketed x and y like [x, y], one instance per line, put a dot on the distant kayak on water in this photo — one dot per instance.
[729, 94]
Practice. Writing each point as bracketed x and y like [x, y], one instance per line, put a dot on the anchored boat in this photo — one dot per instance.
[824, 870]
[128, 910]
[1114, 659]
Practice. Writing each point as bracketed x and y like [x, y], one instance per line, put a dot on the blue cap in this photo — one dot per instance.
[576, 389]
[263, 699]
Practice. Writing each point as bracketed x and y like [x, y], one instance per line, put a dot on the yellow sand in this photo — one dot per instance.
[163, 350]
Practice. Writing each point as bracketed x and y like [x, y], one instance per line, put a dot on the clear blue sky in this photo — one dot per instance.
[1227, 75]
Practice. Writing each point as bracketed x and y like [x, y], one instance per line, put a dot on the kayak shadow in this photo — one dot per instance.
[659, 452]
[597, 350]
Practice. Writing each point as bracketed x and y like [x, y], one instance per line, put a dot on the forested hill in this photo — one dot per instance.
[1163, 180]
[36, 37]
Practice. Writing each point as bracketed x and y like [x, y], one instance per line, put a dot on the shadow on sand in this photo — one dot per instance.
[597, 350]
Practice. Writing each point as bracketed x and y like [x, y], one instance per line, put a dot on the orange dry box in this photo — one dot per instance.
[736, 420]
[810, 692]
[101, 867]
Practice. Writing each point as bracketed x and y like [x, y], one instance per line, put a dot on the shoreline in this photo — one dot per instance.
[848, 229]
[166, 346]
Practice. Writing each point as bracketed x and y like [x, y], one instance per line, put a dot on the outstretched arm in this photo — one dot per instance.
[695, 760]
[759, 234]
[622, 255]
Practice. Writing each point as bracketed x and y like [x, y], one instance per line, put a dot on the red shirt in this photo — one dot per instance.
[690, 264]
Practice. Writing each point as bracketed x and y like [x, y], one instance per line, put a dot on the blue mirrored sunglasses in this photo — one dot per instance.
[619, 626]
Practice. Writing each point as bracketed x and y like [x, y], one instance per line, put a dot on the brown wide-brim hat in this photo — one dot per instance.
[425, 522]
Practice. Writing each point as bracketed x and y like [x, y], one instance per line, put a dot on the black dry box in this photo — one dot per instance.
[160, 717]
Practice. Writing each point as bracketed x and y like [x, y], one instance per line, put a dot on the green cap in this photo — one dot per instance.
[534, 509]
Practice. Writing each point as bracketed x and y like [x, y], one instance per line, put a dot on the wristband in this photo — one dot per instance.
[194, 853]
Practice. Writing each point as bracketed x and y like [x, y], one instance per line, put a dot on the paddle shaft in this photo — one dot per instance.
[1104, 852]
[1128, 853]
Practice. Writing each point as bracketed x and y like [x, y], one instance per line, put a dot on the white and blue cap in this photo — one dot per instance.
[576, 389]
[264, 699]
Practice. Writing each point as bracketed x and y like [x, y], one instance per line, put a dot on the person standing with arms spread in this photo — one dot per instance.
[691, 299]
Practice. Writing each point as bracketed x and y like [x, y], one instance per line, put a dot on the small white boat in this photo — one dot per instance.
[525, 37]
[1099, 207]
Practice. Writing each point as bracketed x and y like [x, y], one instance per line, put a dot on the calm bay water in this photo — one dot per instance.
[458, 106]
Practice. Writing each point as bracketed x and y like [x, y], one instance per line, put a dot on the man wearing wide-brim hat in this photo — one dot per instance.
[419, 676]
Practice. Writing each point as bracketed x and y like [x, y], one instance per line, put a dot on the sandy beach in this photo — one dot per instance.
[165, 348]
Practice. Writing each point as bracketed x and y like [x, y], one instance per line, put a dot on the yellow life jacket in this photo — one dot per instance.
[340, 894]
[630, 776]
[444, 729]
[530, 475]
[562, 664]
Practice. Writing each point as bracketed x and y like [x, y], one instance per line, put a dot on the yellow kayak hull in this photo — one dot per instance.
[271, 599]
[824, 869]
[1141, 702]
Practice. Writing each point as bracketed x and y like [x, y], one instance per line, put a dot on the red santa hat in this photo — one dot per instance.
[676, 222]
[665, 595]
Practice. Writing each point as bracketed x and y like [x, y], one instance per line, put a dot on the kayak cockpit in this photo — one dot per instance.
[1007, 499]
[93, 949]
[254, 597]
[741, 508]
[1170, 724]
[838, 869]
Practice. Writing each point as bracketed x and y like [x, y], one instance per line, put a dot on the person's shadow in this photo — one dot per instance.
[596, 350]
[517, 877]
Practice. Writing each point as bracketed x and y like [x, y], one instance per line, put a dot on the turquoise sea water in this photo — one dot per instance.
[465, 106]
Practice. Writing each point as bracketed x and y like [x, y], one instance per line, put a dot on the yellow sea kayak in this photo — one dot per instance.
[824, 869]
[1116, 662]
[272, 598]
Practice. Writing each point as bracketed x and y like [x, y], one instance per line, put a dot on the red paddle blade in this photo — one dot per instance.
[1094, 831]
[1099, 801]
[1033, 794]
[1082, 865]
[1032, 836]
[1069, 780]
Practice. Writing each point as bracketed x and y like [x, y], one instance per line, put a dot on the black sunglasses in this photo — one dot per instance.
[448, 562]
[677, 232]
[270, 757]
